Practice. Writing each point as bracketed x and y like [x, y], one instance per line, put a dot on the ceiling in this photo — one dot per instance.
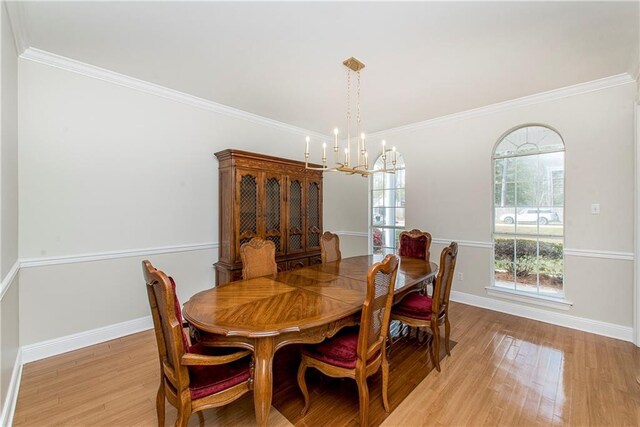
[284, 60]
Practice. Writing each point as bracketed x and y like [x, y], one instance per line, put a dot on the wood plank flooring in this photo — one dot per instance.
[505, 370]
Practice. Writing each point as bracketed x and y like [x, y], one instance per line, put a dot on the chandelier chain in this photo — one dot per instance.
[348, 94]
[358, 100]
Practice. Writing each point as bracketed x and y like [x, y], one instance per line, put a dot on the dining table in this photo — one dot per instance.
[301, 306]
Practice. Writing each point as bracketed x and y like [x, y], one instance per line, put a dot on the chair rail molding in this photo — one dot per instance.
[591, 253]
[126, 253]
[9, 278]
[465, 243]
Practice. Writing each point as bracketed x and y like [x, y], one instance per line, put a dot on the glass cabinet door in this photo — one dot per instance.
[247, 207]
[314, 216]
[273, 217]
[295, 232]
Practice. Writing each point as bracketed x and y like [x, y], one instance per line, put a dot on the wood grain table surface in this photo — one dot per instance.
[299, 306]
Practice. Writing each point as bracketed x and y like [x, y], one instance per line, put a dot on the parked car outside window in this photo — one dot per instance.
[542, 216]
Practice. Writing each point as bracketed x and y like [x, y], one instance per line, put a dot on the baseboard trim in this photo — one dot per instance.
[9, 404]
[611, 330]
[42, 350]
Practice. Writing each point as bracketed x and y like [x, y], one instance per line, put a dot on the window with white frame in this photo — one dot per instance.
[528, 209]
[387, 205]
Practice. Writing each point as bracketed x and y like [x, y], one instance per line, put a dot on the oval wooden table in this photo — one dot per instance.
[299, 306]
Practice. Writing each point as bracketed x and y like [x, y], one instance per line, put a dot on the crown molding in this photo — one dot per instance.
[15, 11]
[68, 64]
[577, 89]
[72, 65]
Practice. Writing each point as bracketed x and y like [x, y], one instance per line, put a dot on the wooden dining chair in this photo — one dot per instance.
[330, 247]
[358, 352]
[415, 244]
[258, 258]
[192, 377]
[422, 311]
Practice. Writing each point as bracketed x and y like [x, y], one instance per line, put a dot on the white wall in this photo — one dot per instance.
[449, 187]
[107, 168]
[345, 205]
[9, 341]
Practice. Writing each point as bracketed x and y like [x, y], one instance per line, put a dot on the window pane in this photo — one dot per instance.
[503, 259]
[377, 198]
[526, 267]
[378, 216]
[505, 220]
[389, 180]
[399, 217]
[400, 175]
[377, 239]
[378, 180]
[550, 265]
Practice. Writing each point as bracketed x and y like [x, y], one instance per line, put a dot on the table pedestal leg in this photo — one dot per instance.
[263, 378]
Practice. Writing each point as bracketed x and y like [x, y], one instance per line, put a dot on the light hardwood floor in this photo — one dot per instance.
[505, 370]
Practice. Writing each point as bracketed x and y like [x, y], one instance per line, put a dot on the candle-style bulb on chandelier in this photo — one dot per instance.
[344, 163]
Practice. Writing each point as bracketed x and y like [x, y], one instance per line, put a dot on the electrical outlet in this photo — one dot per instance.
[461, 276]
[595, 208]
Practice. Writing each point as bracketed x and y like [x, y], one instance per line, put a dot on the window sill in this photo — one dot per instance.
[544, 301]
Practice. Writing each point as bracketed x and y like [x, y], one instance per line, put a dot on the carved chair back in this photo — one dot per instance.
[167, 323]
[415, 244]
[442, 287]
[376, 311]
[330, 247]
[258, 258]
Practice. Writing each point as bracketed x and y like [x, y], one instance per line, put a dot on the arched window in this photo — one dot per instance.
[387, 205]
[528, 209]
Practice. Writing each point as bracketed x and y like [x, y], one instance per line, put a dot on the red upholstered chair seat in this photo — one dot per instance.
[207, 380]
[340, 350]
[414, 305]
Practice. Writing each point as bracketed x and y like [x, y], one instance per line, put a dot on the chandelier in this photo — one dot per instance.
[344, 162]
